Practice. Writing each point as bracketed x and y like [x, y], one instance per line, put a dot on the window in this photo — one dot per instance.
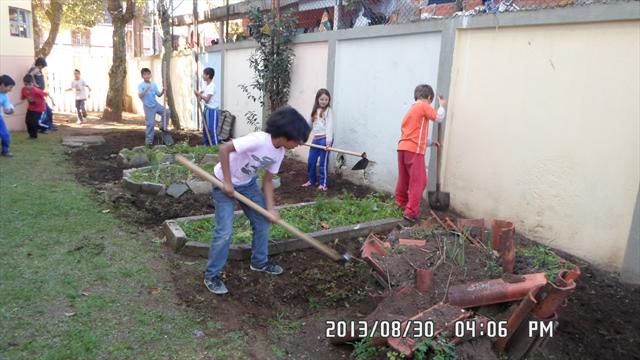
[20, 22]
[81, 37]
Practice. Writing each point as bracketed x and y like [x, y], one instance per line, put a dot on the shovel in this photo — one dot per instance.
[360, 165]
[334, 255]
[438, 200]
[167, 139]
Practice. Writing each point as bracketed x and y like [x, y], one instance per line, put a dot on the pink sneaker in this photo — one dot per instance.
[307, 184]
[323, 188]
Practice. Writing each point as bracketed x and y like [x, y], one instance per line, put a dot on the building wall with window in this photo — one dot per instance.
[16, 51]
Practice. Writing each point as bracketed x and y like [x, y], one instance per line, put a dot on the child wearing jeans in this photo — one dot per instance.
[147, 91]
[240, 161]
[6, 84]
[211, 113]
[79, 86]
[412, 173]
[322, 123]
[37, 105]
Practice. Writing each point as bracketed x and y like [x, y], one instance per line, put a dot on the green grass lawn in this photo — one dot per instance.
[75, 283]
[330, 212]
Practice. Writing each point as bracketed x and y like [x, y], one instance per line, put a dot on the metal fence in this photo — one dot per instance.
[231, 21]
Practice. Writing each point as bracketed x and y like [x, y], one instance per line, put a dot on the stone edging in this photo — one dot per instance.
[177, 239]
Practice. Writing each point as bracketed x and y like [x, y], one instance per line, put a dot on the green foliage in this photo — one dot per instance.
[364, 350]
[333, 212]
[456, 249]
[422, 349]
[165, 175]
[76, 14]
[444, 350]
[394, 355]
[272, 60]
[492, 266]
[541, 258]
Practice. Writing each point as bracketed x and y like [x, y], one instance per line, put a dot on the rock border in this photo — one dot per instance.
[177, 239]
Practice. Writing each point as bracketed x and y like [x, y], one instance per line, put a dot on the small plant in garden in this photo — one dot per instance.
[541, 258]
[394, 355]
[444, 350]
[422, 349]
[364, 350]
[492, 266]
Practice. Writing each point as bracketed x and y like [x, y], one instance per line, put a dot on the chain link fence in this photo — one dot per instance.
[231, 24]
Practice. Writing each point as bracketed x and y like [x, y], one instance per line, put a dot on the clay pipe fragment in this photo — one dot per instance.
[551, 296]
[518, 316]
[334, 255]
[493, 291]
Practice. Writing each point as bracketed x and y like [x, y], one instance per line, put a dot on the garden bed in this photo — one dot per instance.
[142, 156]
[325, 219]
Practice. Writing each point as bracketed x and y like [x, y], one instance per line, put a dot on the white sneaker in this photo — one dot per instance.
[79, 122]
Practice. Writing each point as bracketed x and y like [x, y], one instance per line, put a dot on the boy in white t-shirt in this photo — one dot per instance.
[79, 86]
[211, 113]
[240, 160]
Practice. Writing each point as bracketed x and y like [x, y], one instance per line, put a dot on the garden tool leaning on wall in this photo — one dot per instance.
[334, 255]
[167, 139]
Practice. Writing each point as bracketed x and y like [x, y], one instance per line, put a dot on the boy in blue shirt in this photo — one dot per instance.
[6, 84]
[147, 91]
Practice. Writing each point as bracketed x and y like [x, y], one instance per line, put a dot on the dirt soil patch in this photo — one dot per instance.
[97, 166]
[600, 321]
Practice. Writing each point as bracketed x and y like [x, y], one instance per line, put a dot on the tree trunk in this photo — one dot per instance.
[118, 71]
[165, 22]
[54, 14]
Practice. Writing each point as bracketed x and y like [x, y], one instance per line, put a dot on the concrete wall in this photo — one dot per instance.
[16, 56]
[374, 83]
[237, 72]
[309, 74]
[543, 129]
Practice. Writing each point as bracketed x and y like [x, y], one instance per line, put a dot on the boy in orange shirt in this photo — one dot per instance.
[412, 173]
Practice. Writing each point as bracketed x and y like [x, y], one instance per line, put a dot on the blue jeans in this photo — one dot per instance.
[314, 155]
[5, 137]
[223, 230]
[150, 120]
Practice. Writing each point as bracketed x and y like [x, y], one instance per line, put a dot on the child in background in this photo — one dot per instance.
[211, 113]
[37, 105]
[6, 84]
[147, 91]
[45, 123]
[322, 123]
[412, 173]
[240, 161]
[81, 95]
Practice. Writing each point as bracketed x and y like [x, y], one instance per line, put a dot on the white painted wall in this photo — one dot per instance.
[374, 83]
[237, 71]
[544, 129]
[309, 74]
[16, 56]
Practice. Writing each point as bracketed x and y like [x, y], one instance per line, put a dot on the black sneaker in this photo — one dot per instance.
[411, 220]
[269, 268]
[215, 285]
